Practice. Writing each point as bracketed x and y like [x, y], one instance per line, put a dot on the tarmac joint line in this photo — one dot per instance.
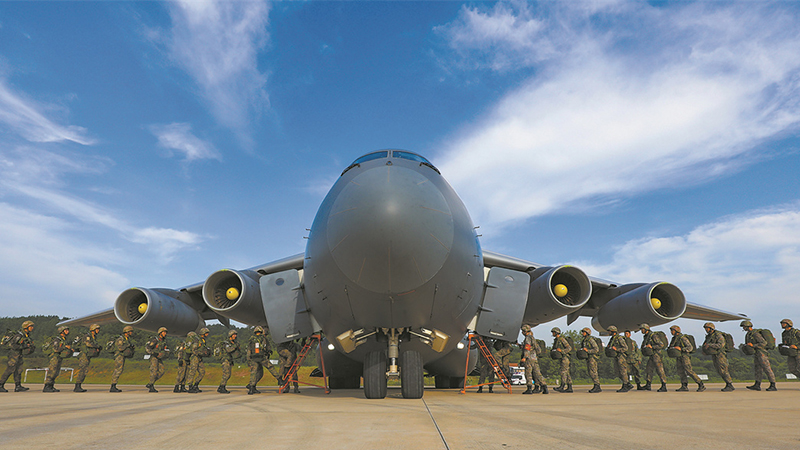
[444, 441]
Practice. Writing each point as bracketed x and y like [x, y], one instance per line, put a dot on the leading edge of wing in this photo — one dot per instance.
[700, 312]
[105, 316]
[493, 259]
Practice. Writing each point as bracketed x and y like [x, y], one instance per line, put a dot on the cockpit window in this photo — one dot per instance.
[371, 156]
[409, 155]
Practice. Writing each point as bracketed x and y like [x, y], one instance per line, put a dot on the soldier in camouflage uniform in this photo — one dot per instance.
[790, 337]
[503, 356]
[683, 362]
[197, 368]
[123, 349]
[258, 351]
[89, 349]
[156, 347]
[530, 349]
[184, 355]
[561, 345]
[484, 368]
[589, 345]
[618, 344]
[21, 345]
[287, 354]
[59, 349]
[230, 352]
[715, 346]
[654, 363]
[634, 360]
[761, 363]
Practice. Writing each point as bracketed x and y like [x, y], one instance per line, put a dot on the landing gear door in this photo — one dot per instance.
[504, 301]
[284, 302]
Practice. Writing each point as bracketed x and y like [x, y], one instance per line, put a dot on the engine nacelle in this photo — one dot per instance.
[236, 295]
[150, 309]
[556, 292]
[653, 304]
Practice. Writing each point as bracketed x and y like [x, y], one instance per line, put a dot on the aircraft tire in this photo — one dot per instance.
[412, 382]
[375, 375]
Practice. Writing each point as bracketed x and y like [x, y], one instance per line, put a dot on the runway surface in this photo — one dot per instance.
[443, 419]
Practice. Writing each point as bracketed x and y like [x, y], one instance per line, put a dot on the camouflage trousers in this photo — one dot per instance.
[54, 369]
[591, 367]
[505, 364]
[761, 366]
[721, 364]
[286, 359]
[183, 365]
[14, 363]
[621, 366]
[486, 372]
[197, 370]
[83, 367]
[563, 371]
[655, 364]
[683, 364]
[257, 370]
[156, 369]
[792, 365]
[633, 369]
[533, 373]
[226, 372]
[119, 366]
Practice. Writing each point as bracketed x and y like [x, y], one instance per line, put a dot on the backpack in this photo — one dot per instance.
[150, 346]
[767, 335]
[599, 343]
[571, 344]
[47, 347]
[542, 347]
[5, 341]
[110, 346]
[662, 338]
[219, 350]
[729, 346]
[691, 340]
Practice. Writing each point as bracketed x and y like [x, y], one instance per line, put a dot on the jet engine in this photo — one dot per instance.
[654, 304]
[150, 309]
[236, 295]
[556, 292]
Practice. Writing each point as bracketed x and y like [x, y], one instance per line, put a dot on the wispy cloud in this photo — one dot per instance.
[684, 95]
[178, 137]
[28, 118]
[217, 44]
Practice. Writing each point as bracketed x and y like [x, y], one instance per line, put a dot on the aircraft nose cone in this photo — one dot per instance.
[390, 230]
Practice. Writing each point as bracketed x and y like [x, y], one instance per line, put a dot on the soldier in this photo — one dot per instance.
[197, 368]
[21, 345]
[484, 368]
[589, 345]
[258, 351]
[618, 344]
[230, 352]
[89, 349]
[634, 360]
[184, 355]
[59, 349]
[561, 345]
[714, 345]
[761, 364]
[654, 363]
[503, 352]
[156, 347]
[683, 362]
[530, 349]
[791, 339]
[123, 349]
[287, 354]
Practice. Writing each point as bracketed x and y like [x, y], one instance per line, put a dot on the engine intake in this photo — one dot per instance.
[655, 304]
[150, 309]
[236, 295]
[556, 292]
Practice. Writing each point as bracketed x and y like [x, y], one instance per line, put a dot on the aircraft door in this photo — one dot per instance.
[504, 301]
[284, 302]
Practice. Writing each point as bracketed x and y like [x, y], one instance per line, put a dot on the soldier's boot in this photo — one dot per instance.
[177, 389]
[559, 388]
[78, 388]
[684, 387]
[624, 388]
[544, 389]
[152, 388]
[537, 389]
[3, 388]
[47, 388]
[255, 390]
[728, 387]
[114, 388]
[250, 390]
[183, 388]
[701, 387]
[755, 387]
[567, 390]
[646, 387]
[663, 388]
[639, 387]
[491, 386]
[296, 389]
[480, 389]
[193, 389]
[529, 390]
[772, 387]
[18, 387]
[197, 388]
[595, 389]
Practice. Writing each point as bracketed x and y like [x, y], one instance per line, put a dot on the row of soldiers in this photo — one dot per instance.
[191, 354]
[627, 357]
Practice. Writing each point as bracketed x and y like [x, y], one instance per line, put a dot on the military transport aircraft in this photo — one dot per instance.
[394, 276]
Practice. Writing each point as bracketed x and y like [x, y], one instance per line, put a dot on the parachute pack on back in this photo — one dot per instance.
[767, 335]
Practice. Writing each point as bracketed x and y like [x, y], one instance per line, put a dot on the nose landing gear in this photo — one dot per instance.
[410, 370]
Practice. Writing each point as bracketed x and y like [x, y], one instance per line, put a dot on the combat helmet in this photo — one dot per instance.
[587, 330]
[164, 329]
[258, 329]
[556, 330]
[62, 328]
[644, 326]
[191, 334]
[29, 323]
[784, 321]
[746, 324]
[94, 326]
[203, 331]
[526, 328]
[232, 333]
[127, 329]
[612, 329]
[709, 325]
[675, 328]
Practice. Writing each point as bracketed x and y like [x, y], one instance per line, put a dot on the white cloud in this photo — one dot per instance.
[179, 137]
[217, 43]
[664, 97]
[27, 118]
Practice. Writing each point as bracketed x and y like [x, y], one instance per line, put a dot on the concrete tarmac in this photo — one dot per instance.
[443, 419]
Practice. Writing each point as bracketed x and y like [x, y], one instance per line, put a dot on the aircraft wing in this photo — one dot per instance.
[565, 290]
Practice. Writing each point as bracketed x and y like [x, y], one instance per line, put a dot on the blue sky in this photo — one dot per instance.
[151, 144]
